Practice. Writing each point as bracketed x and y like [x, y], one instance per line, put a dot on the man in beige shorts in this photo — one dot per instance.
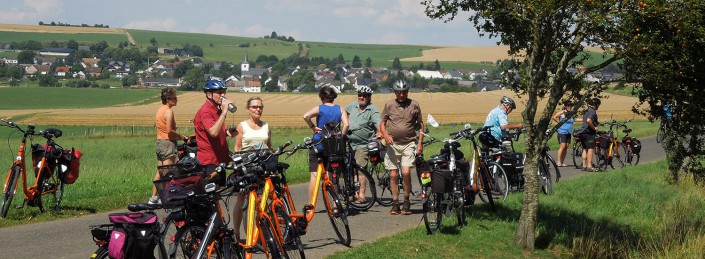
[401, 118]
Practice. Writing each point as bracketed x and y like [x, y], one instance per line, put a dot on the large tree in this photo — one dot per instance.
[666, 60]
[551, 36]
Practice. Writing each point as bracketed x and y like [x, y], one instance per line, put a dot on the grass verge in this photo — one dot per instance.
[626, 213]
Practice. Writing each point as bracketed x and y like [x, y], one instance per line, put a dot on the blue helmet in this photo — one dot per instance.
[214, 85]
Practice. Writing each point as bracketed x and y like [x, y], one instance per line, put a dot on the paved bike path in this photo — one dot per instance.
[70, 238]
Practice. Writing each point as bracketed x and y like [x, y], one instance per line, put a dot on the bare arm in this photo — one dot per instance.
[556, 117]
[345, 119]
[309, 115]
[170, 125]
[238, 138]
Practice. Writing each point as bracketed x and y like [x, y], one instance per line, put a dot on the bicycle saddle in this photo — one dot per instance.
[627, 131]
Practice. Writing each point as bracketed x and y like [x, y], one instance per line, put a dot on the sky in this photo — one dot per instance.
[345, 21]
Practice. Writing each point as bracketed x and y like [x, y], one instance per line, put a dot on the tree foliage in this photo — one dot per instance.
[551, 35]
[667, 61]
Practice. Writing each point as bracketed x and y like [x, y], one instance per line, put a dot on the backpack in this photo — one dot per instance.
[69, 165]
[134, 235]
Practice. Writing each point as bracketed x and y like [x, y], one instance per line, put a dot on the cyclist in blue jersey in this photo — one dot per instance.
[326, 112]
[497, 118]
[565, 131]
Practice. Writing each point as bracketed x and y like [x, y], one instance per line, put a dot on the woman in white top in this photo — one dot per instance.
[252, 134]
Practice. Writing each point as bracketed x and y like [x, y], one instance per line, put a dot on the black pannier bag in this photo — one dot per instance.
[442, 181]
[636, 146]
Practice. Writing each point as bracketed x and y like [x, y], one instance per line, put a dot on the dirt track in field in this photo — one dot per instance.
[288, 109]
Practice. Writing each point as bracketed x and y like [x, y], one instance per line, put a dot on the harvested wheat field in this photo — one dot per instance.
[288, 109]
[472, 54]
[57, 29]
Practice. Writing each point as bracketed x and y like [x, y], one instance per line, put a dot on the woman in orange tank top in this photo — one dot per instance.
[166, 134]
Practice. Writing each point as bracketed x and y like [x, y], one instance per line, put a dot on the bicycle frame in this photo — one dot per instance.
[257, 211]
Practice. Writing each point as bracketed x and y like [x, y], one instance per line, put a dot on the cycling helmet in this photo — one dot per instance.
[400, 85]
[507, 100]
[364, 90]
[214, 85]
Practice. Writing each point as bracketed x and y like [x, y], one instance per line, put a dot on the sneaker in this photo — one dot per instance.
[395, 208]
[154, 200]
[406, 208]
[592, 169]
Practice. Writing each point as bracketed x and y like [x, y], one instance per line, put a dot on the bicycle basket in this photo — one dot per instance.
[442, 181]
[333, 146]
[172, 190]
[183, 167]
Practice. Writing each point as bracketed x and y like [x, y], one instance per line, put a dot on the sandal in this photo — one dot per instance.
[592, 169]
[406, 208]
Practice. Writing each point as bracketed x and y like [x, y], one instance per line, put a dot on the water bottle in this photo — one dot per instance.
[231, 106]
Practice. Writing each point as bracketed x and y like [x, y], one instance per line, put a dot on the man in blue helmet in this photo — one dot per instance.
[209, 124]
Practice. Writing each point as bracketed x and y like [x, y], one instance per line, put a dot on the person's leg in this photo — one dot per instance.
[361, 159]
[406, 164]
[313, 167]
[590, 155]
[584, 155]
[391, 160]
[237, 214]
[562, 150]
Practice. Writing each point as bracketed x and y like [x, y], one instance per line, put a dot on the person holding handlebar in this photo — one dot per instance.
[497, 118]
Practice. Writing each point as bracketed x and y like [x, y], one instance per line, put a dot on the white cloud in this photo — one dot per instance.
[354, 12]
[33, 11]
[168, 24]
[221, 28]
[257, 30]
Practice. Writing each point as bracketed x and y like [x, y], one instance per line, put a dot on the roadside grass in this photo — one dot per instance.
[49, 98]
[626, 213]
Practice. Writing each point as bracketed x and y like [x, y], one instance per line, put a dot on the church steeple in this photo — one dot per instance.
[245, 65]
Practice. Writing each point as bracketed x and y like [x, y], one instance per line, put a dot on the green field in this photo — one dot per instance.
[9, 54]
[82, 38]
[630, 212]
[47, 97]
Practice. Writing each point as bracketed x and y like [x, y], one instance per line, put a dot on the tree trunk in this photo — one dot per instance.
[526, 230]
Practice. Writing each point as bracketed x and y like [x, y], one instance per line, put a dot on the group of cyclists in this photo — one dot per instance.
[397, 125]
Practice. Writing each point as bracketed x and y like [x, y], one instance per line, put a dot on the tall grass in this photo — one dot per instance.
[627, 213]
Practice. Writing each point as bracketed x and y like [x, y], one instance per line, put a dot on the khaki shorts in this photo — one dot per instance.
[403, 153]
[166, 149]
[361, 157]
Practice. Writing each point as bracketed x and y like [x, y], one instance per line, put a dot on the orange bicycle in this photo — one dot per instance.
[336, 211]
[47, 164]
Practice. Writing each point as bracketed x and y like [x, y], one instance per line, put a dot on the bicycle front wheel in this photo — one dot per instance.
[487, 187]
[382, 184]
[337, 214]
[292, 241]
[274, 247]
[432, 212]
[460, 211]
[661, 133]
[602, 159]
[186, 241]
[363, 185]
[10, 187]
[577, 154]
[547, 174]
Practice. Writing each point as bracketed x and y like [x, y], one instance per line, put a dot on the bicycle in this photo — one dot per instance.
[451, 187]
[507, 156]
[269, 206]
[663, 129]
[350, 186]
[383, 183]
[607, 147]
[631, 147]
[47, 162]
[102, 233]
[337, 213]
[577, 152]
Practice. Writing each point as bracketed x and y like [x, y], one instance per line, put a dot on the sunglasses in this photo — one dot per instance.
[363, 95]
[257, 106]
[401, 92]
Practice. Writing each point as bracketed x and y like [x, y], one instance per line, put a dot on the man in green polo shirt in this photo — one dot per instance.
[364, 120]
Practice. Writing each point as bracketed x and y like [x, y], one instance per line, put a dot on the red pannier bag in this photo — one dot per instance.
[69, 165]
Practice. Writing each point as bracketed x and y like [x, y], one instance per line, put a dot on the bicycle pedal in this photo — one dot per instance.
[301, 226]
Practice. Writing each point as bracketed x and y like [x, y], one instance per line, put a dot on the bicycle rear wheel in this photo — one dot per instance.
[432, 212]
[101, 253]
[487, 187]
[382, 184]
[661, 133]
[577, 153]
[337, 214]
[292, 241]
[602, 159]
[460, 211]
[497, 183]
[9, 190]
[342, 187]
[369, 187]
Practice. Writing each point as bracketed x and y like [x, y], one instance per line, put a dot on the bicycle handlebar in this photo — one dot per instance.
[48, 133]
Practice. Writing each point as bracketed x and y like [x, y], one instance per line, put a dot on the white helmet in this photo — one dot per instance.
[509, 101]
[400, 85]
[364, 90]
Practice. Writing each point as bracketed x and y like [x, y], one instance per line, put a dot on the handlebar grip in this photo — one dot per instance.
[134, 207]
